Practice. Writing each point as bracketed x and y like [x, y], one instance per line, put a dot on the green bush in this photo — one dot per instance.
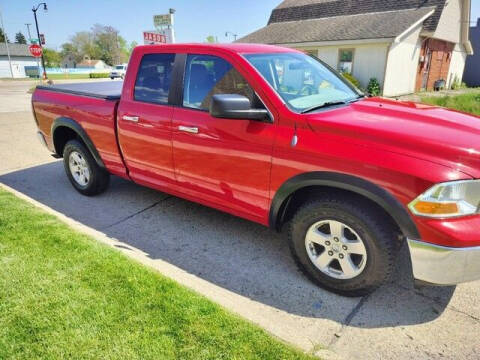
[373, 87]
[99, 75]
[352, 79]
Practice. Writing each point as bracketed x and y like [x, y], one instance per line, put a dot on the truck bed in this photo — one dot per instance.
[90, 105]
[108, 90]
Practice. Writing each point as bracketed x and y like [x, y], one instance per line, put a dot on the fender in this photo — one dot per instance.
[346, 182]
[77, 128]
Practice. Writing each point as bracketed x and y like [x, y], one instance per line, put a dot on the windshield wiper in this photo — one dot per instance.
[332, 103]
[324, 105]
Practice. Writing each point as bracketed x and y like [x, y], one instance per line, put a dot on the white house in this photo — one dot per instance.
[406, 44]
[19, 56]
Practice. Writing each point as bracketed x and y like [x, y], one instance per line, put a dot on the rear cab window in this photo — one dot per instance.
[154, 78]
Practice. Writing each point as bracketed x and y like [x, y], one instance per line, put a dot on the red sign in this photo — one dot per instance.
[155, 38]
[35, 50]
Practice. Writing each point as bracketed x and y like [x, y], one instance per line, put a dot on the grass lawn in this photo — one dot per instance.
[469, 102]
[64, 295]
[67, 76]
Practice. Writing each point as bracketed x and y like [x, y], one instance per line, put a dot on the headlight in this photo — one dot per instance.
[456, 198]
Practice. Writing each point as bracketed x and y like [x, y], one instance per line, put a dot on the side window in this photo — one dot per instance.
[210, 75]
[154, 78]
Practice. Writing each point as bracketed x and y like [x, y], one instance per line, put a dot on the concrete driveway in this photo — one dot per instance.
[245, 266]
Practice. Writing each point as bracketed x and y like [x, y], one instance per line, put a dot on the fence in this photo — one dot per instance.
[34, 71]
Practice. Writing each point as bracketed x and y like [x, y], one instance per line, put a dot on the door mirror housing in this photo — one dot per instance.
[234, 106]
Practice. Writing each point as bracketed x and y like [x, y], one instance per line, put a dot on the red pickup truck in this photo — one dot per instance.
[277, 137]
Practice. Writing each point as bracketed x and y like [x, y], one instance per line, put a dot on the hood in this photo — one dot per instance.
[446, 137]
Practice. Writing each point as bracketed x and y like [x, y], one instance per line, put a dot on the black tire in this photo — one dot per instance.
[98, 178]
[378, 234]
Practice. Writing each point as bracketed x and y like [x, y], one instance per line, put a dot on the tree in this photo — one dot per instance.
[19, 38]
[101, 43]
[112, 47]
[52, 57]
[69, 50]
[210, 39]
[84, 43]
[132, 46]
[3, 36]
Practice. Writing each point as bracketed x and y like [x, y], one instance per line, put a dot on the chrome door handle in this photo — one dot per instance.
[191, 130]
[130, 118]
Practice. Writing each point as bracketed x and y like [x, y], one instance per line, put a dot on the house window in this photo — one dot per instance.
[345, 60]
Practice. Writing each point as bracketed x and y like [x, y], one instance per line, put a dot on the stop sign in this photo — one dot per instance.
[35, 50]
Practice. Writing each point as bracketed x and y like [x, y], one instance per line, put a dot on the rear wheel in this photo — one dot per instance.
[344, 245]
[83, 171]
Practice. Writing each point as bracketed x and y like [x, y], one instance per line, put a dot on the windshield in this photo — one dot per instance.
[303, 82]
[119, 67]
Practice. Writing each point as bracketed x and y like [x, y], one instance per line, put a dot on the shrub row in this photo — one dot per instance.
[99, 75]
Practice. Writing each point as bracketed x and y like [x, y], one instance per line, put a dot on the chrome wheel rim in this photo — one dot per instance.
[79, 168]
[336, 249]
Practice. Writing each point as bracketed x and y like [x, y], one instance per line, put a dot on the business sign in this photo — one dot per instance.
[157, 37]
[35, 50]
[42, 39]
[162, 20]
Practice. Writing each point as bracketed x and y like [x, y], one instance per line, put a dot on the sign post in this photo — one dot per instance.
[164, 33]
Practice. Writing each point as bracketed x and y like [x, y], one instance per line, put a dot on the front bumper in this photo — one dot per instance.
[442, 265]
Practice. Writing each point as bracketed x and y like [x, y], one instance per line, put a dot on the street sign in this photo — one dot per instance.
[157, 37]
[162, 20]
[42, 39]
[35, 50]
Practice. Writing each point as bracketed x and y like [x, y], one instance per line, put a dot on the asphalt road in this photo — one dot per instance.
[244, 261]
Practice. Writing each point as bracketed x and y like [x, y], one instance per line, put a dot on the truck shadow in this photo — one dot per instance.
[233, 253]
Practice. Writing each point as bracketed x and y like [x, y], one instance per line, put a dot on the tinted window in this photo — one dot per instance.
[209, 75]
[154, 78]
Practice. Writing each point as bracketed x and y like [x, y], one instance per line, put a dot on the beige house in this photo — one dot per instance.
[407, 45]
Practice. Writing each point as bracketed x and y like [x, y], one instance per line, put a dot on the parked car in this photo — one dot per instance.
[241, 128]
[118, 71]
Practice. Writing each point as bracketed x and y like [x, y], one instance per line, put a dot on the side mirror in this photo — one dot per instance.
[234, 106]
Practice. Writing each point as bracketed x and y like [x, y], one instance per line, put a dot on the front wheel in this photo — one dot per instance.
[344, 245]
[83, 171]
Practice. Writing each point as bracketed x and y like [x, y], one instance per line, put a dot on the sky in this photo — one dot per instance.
[194, 19]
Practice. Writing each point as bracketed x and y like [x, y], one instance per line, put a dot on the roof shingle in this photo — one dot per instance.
[15, 50]
[294, 10]
[380, 25]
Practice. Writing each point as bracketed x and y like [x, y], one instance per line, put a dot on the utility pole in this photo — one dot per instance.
[6, 44]
[29, 35]
[38, 34]
[231, 33]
